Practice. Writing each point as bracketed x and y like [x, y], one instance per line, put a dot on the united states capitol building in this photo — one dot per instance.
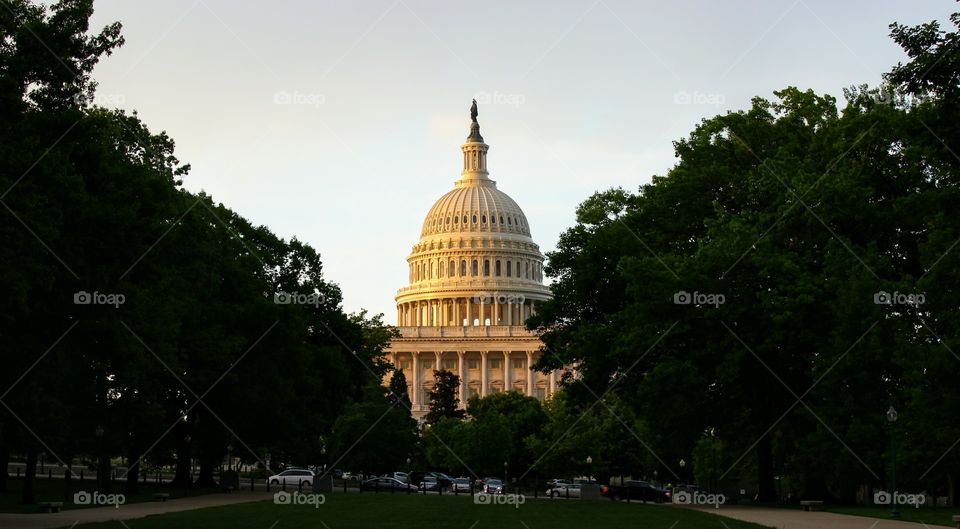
[475, 275]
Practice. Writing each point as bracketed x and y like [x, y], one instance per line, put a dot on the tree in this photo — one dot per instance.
[399, 393]
[444, 399]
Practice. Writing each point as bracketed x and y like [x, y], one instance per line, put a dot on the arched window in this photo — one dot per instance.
[430, 276]
[463, 268]
[456, 219]
[486, 267]
[526, 270]
[474, 219]
[493, 220]
[483, 219]
[464, 219]
[509, 268]
[451, 269]
[501, 219]
[508, 220]
[497, 267]
[475, 274]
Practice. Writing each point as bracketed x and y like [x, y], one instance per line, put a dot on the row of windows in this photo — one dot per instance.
[438, 221]
[473, 363]
[540, 393]
[501, 268]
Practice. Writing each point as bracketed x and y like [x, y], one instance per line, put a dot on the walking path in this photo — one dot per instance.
[125, 512]
[800, 519]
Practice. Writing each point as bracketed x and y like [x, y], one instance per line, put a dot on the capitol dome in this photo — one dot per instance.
[475, 263]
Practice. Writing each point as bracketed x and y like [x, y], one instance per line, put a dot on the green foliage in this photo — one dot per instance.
[798, 214]
[444, 399]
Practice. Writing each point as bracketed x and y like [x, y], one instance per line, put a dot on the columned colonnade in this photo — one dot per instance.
[481, 373]
[465, 311]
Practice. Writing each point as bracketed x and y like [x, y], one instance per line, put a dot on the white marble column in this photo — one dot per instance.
[458, 321]
[462, 373]
[530, 373]
[509, 311]
[506, 370]
[553, 382]
[495, 320]
[415, 394]
[483, 316]
[483, 373]
[469, 312]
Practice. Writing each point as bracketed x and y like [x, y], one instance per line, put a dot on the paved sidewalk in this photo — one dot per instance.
[125, 512]
[800, 519]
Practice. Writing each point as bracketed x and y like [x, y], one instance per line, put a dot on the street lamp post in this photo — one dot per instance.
[683, 465]
[505, 480]
[892, 419]
[589, 467]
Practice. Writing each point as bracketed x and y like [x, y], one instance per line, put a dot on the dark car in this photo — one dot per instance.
[386, 484]
[633, 489]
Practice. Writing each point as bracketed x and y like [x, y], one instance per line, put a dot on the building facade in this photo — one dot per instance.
[475, 275]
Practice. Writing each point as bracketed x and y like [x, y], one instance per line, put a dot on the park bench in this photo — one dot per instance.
[161, 496]
[956, 520]
[811, 505]
[50, 506]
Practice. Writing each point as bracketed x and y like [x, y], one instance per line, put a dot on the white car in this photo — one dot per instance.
[565, 490]
[294, 477]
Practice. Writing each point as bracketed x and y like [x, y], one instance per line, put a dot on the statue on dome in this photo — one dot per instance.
[473, 111]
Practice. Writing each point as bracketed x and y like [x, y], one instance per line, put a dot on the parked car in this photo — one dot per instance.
[634, 489]
[564, 490]
[429, 483]
[461, 485]
[386, 484]
[492, 486]
[293, 477]
[402, 476]
[337, 473]
[551, 484]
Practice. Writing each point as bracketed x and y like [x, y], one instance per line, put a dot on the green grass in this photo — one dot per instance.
[54, 490]
[362, 511]
[925, 515]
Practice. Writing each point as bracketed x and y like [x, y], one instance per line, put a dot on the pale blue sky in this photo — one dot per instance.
[584, 95]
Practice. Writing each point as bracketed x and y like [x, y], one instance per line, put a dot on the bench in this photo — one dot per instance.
[811, 505]
[50, 506]
[956, 520]
[161, 496]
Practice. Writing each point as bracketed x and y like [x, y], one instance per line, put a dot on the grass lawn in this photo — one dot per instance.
[53, 490]
[925, 515]
[362, 511]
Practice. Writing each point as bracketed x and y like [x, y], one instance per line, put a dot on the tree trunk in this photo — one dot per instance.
[208, 462]
[27, 496]
[4, 464]
[103, 472]
[952, 499]
[181, 477]
[766, 488]
[68, 480]
[133, 467]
